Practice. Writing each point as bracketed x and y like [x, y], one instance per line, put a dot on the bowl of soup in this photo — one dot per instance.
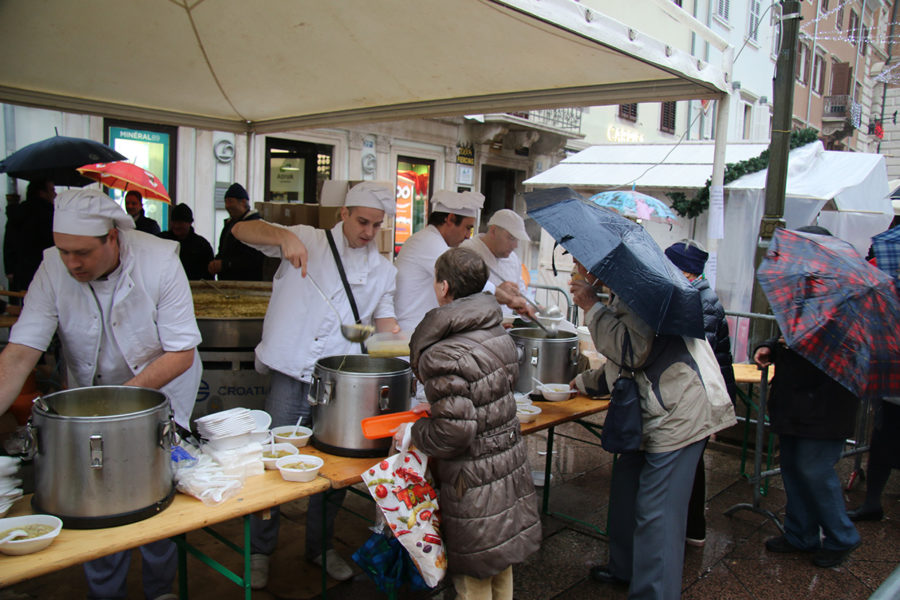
[272, 452]
[289, 434]
[299, 467]
[40, 531]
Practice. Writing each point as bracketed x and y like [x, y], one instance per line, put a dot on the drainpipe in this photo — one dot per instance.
[859, 26]
[890, 49]
[9, 131]
[812, 62]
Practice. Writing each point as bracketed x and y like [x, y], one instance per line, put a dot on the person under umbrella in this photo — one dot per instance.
[124, 312]
[29, 231]
[683, 402]
[195, 252]
[690, 257]
[812, 414]
[134, 206]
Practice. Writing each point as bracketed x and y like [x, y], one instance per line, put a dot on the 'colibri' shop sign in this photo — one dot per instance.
[623, 134]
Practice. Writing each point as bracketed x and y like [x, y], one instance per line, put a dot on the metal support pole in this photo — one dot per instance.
[776, 175]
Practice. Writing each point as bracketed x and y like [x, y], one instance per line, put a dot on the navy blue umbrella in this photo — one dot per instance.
[622, 255]
[56, 159]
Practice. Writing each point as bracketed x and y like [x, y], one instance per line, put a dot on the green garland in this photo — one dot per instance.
[695, 206]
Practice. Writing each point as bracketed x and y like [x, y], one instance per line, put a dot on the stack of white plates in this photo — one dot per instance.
[9, 486]
[227, 423]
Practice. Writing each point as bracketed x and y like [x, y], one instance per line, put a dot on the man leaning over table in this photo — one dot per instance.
[121, 304]
[300, 328]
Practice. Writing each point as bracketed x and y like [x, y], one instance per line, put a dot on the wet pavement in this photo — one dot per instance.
[732, 565]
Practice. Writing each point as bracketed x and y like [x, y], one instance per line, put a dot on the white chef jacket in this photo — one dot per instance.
[152, 312]
[499, 269]
[415, 276]
[299, 327]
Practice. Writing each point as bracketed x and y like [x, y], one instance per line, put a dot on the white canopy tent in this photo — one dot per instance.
[845, 192]
[234, 65]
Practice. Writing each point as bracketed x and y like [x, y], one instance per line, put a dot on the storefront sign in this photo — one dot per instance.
[624, 135]
[465, 154]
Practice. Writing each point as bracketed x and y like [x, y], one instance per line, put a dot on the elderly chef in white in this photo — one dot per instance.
[122, 306]
[497, 246]
[300, 328]
[451, 221]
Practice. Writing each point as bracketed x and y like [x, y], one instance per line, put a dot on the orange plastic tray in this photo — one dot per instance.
[383, 426]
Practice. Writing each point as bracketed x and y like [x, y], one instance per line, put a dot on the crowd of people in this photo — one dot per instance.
[110, 274]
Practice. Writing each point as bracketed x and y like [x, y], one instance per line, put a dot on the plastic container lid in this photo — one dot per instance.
[388, 344]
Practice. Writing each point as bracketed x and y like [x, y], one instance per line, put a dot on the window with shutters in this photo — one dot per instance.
[803, 63]
[839, 19]
[864, 40]
[824, 5]
[722, 9]
[852, 27]
[818, 74]
[628, 112]
[753, 21]
[667, 117]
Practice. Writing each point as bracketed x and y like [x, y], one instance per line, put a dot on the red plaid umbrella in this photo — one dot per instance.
[123, 175]
[835, 309]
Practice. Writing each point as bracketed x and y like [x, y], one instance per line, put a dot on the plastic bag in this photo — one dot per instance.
[403, 489]
[201, 477]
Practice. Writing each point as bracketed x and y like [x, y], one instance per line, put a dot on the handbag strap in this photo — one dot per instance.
[626, 349]
[340, 267]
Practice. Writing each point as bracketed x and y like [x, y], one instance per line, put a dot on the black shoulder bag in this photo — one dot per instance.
[340, 267]
[622, 429]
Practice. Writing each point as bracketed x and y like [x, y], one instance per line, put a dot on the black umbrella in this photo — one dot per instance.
[56, 158]
[623, 256]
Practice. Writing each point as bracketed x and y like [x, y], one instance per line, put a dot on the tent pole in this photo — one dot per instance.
[779, 146]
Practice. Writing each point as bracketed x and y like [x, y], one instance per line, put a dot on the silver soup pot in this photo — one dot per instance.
[549, 359]
[349, 388]
[102, 455]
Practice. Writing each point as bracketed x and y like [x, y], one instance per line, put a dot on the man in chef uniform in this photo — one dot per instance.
[122, 306]
[450, 223]
[497, 247]
[300, 328]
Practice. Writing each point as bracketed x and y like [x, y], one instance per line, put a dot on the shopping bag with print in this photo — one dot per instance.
[404, 491]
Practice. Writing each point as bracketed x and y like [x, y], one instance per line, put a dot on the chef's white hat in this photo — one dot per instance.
[464, 204]
[88, 212]
[373, 194]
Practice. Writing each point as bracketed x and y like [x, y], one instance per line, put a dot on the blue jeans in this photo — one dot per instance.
[106, 575]
[648, 508]
[815, 504]
[287, 400]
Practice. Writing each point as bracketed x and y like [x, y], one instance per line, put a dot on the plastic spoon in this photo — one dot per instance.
[353, 332]
[297, 426]
[16, 533]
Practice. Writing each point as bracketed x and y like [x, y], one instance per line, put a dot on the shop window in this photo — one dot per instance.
[151, 147]
[667, 117]
[296, 170]
[414, 184]
[628, 112]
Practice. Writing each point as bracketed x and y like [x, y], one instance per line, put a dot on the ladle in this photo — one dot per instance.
[218, 289]
[353, 332]
[16, 533]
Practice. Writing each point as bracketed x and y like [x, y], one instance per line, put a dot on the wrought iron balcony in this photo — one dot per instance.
[566, 119]
[837, 107]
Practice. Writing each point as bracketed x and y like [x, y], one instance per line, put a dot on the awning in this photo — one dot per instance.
[282, 64]
[666, 166]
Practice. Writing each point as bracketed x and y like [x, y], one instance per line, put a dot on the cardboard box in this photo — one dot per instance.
[328, 216]
[385, 240]
[289, 213]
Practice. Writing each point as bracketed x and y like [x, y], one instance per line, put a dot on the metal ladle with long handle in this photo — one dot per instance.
[352, 332]
[553, 312]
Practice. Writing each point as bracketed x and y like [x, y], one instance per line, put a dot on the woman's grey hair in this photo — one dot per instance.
[463, 270]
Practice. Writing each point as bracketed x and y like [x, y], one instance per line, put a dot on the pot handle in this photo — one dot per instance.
[29, 440]
[168, 438]
[535, 354]
[573, 355]
[327, 391]
[96, 445]
[520, 352]
[312, 396]
[384, 397]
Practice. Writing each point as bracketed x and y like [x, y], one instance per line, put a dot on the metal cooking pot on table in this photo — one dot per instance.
[349, 388]
[547, 359]
[102, 455]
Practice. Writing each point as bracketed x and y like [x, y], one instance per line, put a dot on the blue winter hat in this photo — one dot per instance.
[237, 191]
[688, 256]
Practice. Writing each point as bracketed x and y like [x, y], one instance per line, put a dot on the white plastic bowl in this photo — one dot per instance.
[302, 474]
[262, 418]
[527, 413]
[231, 442]
[555, 392]
[285, 434]
[29, 545]
[284, 447]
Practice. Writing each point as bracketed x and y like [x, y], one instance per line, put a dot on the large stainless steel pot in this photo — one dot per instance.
[102, 455]
[348, 388]
[549, 359]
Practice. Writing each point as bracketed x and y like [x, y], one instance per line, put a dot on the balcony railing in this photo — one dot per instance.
[567, 119]
[837, 107]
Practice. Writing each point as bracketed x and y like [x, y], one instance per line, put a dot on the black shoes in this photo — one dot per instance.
[601, 573]
[782, 546]
[859, 514]
[832, 558]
